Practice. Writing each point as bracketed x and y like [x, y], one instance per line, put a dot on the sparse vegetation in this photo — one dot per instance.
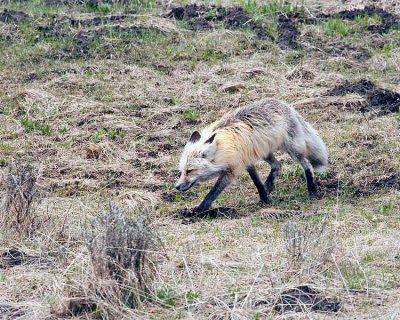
[19, 200]
[105, 94]
[336, 25]
[121, 249]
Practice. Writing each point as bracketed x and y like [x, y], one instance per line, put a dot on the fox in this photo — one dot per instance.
[241, 138]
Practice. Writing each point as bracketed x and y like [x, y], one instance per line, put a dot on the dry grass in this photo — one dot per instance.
[118, 113]
[20, 199]
[120, 249]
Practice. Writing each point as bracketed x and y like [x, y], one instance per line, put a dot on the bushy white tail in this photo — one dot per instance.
[317, 152]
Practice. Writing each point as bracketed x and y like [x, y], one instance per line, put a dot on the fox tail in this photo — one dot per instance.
[317, 152]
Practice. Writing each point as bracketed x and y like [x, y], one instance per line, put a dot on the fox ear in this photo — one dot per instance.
[195, 137]
[210, 146]
[211, 139]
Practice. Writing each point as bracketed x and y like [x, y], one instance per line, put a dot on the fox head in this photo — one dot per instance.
[196, 164]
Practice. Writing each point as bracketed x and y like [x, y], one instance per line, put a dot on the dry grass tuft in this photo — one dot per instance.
[120, 249]
[308, 246]
[20, 198]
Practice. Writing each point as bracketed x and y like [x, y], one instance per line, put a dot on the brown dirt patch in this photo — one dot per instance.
[366, 186]
[201, 17]
[14, 257]
[96, 21]
[287, 32]
[348, 50]
[388, 20]
[11, 16]
[303, 299]
[82, 40]
[390, 182]
[385, 101]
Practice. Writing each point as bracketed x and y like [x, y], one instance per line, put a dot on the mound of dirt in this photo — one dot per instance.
[391, 182]
[14, 257]
[99, 20]
[378, 98]
[361, 87]
[10, 16]
[287, 32]
[388, 20]
[84, 39]
[388, 100]
[347, 50]
[200, 17]
[303, 299]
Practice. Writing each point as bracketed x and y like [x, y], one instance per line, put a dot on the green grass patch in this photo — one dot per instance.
[336, 26]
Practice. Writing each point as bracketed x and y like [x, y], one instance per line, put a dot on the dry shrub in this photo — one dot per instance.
[308, 246]
[122, 250]
[20, 197]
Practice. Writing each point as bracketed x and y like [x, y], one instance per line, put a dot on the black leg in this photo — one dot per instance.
[223, 181]
[257, 181]
[311, 187]
[275, 170]
[308, 171]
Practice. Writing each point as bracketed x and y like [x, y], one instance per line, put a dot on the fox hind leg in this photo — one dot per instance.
[275, 170]
[308, 171]
[257, 181]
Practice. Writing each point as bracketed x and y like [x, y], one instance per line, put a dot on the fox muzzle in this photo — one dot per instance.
[185, 186]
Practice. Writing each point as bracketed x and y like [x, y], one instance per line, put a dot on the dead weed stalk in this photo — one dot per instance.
[308, 246]
[121, 249]
[20, 197]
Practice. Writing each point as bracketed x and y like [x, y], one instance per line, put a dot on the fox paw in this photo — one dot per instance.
[314, 194]
[263, 203]
[199, 209]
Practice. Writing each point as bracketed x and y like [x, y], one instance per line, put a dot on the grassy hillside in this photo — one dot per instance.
[100, 97]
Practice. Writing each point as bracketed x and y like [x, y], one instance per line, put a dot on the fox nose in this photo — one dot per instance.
[178, 186]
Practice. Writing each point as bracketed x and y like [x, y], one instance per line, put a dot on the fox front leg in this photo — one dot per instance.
[223, 181]
[258, 183]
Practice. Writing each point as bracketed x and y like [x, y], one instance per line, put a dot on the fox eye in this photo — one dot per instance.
[189, 171]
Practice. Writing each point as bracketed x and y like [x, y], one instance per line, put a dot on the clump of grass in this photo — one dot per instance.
[35, 126]
[191, 114]
[336, 25]
[20, 197]
[308, 246]
[366, 20]
[294, 238]
[120, 248]
[275, 6]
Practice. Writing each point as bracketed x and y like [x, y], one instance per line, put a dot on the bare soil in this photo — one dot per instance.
[287, 33]
[200, 17]
[106, 102]
[388, 20]
[385, 101]
[12, 16]
[304, 298]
